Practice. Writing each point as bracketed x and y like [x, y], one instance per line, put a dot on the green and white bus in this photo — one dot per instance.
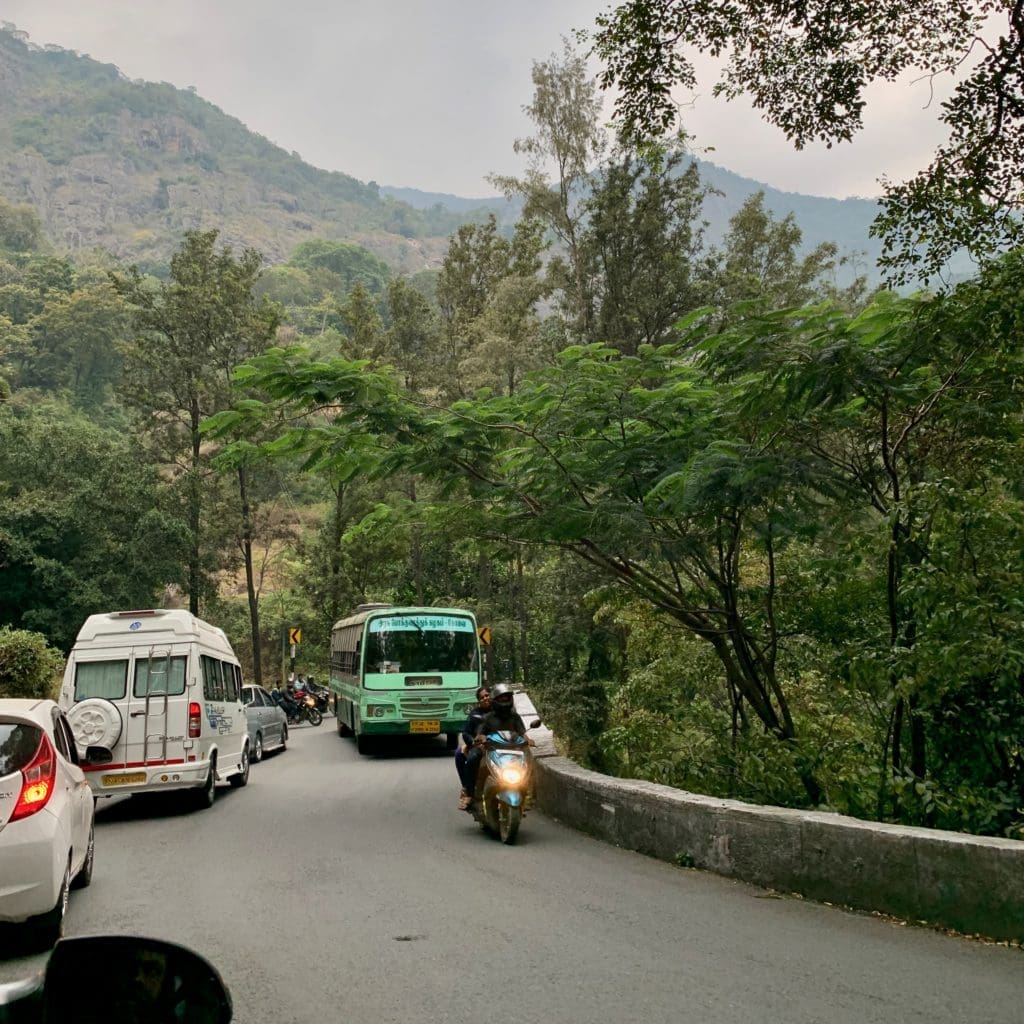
[399, 671]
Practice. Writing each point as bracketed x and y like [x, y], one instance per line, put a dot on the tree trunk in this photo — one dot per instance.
[250, 581]
[195, 569]
[417, 550]
[334, 554]
[524, 620]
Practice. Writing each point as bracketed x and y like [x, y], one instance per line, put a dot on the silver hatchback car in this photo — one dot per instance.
[268, 724]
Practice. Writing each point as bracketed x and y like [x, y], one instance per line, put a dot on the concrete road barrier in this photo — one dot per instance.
[971, 883]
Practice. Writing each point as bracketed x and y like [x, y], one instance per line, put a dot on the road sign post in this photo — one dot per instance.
[484, 633]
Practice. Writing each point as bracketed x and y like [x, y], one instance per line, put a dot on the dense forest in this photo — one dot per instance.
[739, 530]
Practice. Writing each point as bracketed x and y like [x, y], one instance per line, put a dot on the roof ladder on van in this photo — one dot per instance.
[158, 668]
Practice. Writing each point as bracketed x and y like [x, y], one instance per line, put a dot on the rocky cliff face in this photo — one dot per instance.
[128, 166]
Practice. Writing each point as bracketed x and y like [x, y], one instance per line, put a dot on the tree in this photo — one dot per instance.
[29, 667]
[85, 522]
[351, 264]
[807, 66]
[192, 331]
[566, 111]
[413, 342]
[76, 344]
[642, 240]
[760, 263]
[363, 324]
[20, 230]
[478, 260]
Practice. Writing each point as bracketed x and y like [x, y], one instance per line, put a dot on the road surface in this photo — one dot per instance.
[344, 888]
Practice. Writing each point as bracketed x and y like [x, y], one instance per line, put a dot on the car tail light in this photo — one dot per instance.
[38, 779]
[195, 720]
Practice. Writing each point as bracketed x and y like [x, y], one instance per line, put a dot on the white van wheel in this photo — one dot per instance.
[242, 778]
[95, 722]
[206, 795]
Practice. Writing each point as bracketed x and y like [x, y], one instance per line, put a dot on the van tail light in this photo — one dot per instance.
[39, 777]
[195, 720]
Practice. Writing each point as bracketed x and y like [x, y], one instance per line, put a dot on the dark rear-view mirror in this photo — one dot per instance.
[535, 724]
[142, 980]
[98, 755]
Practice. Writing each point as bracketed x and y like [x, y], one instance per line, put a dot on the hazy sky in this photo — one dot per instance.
[429, 94]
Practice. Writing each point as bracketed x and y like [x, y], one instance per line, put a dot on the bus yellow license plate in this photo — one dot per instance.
[124, 780]
[425, 725]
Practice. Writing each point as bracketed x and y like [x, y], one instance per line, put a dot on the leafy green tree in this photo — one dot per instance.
[760, 263]
[478, 260]
[413, 340]
[192, 331]
[363, 324]
[807, 67]
[642, 241]
[85, 524]
[351, 264]
[20, 230]
[566, 111]
[910, 410]
[76, 344]
[29, 667]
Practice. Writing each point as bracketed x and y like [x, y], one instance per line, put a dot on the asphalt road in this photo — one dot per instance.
[342, 888]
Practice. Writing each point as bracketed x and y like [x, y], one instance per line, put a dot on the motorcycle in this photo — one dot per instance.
[503, 783]
[143, 979]
[318, 693]
[298, 709]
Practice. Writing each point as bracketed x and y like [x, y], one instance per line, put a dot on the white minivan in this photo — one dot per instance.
[161, 689]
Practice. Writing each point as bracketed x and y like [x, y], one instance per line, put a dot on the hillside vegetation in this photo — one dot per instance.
[130, 165]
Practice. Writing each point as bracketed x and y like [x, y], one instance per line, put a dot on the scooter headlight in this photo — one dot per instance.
[512, 774]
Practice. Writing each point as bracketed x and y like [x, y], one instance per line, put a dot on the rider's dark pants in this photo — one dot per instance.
[470, 769]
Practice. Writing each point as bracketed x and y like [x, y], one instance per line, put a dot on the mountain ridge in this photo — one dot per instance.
[128, 165]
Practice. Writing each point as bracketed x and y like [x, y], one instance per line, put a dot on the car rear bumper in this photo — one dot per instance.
[34, 854]
[109, 781]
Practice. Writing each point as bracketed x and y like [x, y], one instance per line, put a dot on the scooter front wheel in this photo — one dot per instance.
[508, 822]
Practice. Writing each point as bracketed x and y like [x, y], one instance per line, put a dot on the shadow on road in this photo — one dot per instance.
[399, 748]
[147, 806]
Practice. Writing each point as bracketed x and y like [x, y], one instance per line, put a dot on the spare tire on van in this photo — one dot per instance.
[95, 722]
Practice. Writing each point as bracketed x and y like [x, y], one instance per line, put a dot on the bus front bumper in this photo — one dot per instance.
[444, 725]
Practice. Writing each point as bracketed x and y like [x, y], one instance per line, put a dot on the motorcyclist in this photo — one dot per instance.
[502, 717]
[466, 750]
[289, 706]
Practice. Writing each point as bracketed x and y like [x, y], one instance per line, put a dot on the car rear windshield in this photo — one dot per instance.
[101, 679]
[18, 745]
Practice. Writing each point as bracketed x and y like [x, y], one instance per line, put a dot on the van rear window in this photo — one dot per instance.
[107, 679]
[160, 676]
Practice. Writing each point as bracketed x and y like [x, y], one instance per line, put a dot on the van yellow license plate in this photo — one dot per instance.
[124, 780]
[425, 725]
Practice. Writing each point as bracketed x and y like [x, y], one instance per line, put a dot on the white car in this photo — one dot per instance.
[46, 816]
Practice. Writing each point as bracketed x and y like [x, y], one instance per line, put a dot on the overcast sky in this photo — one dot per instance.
[430, 94]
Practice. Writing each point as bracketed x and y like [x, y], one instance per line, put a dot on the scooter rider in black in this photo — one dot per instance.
[502, 717]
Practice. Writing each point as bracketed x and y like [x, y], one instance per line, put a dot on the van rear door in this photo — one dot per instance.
[157, 719]
[97, 711]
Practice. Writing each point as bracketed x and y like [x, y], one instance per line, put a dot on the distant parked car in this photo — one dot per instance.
[46, 816]
[268, 724]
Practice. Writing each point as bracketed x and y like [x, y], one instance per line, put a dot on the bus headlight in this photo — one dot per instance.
[378, 710]
[511, 774]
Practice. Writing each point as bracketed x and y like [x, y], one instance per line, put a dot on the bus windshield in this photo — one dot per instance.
[420, 643]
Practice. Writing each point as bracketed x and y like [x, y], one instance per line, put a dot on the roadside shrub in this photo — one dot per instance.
[29, 667]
